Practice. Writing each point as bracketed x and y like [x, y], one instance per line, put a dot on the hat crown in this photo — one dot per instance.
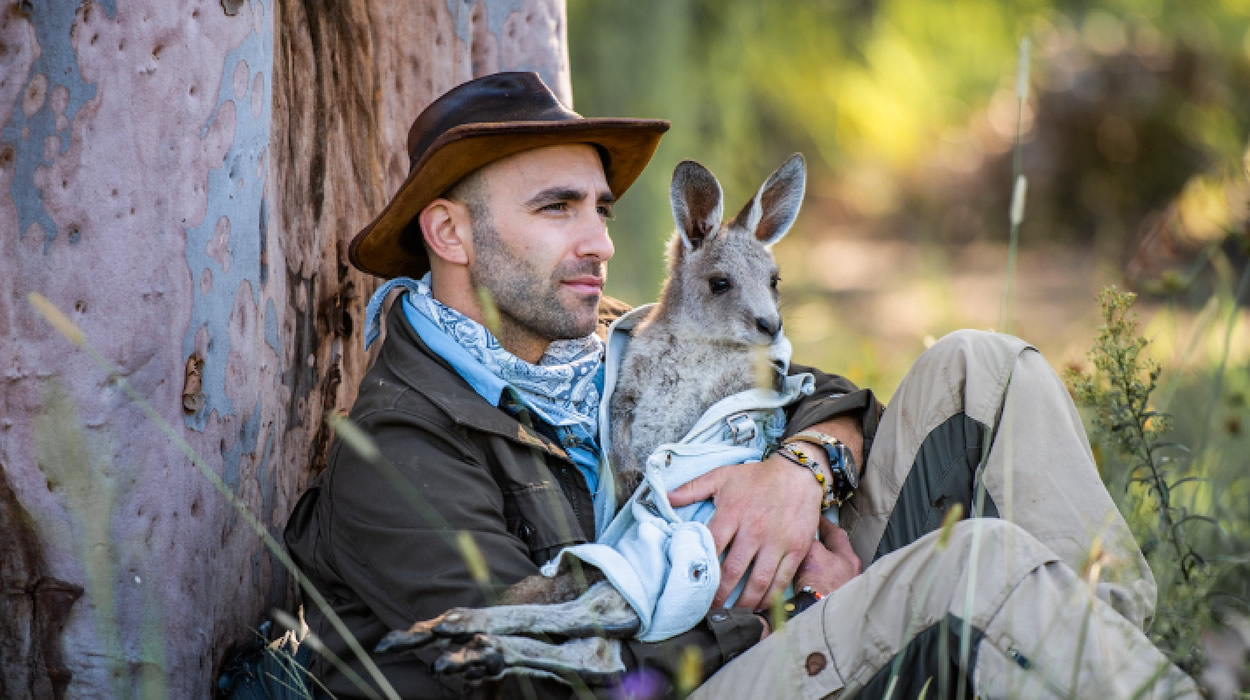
[500, 97]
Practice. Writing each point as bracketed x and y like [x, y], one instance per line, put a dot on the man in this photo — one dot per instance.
[482, 405]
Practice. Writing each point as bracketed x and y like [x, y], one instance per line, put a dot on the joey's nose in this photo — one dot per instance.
[769, 327]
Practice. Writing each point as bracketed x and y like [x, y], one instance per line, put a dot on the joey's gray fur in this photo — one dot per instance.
[715, 332]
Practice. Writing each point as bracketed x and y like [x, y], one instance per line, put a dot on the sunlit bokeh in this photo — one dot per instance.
[1133, 136]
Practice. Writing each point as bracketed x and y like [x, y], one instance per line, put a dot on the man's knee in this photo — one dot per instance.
[971, 342]
[973, 532]
[967, 370]
[967, 550]
[993, 542]
[993, 555]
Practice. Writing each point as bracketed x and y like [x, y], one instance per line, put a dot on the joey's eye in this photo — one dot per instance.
[718, 285]
[774, 281]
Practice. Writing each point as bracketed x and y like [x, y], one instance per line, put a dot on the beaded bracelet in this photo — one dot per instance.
[799, 457]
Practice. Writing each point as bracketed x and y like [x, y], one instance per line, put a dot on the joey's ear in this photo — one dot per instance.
[696, 199]
[772, 211]
[447, 229]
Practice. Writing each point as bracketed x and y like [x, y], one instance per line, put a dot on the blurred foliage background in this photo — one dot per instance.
[1134, 142]
[1134, 130]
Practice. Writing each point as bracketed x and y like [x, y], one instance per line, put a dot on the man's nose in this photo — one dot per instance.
[595, 241]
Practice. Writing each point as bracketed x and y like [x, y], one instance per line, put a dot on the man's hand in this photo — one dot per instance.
[766, 512]
[830, 562]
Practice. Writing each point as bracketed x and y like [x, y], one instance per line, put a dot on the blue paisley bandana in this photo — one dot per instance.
[561, 388]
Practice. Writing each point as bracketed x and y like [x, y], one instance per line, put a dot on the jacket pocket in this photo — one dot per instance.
[539, 516]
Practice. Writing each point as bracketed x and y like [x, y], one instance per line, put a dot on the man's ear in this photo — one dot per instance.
[447, 230]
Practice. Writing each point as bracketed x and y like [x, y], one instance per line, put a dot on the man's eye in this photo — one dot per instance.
[555, 207]
[718, 285]
[604, 210]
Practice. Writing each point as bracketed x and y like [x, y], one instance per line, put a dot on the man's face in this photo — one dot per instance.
[541, 241]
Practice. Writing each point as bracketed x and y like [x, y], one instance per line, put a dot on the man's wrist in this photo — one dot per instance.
[841, 470]
[846, 428]
[803, 458]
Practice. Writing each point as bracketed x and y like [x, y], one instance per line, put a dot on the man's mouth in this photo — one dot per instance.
[586, 284]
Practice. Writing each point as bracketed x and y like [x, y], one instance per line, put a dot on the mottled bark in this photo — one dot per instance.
[33, 608]
[182, 180]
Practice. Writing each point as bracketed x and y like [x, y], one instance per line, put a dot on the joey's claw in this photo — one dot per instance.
[456, 624]
[403, 640]
[479, 658]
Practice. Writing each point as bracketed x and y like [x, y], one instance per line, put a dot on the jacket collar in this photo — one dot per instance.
[423, 371]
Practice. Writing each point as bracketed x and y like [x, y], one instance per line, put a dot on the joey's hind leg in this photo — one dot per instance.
[461, 623]
[601, 610]
[487, 657]
[572, 579]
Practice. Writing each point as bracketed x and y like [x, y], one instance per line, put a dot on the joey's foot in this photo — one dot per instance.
[457, 625]
[488, 657]
[480, 658]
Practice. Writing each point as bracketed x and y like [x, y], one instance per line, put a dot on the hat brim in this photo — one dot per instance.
[380, 248]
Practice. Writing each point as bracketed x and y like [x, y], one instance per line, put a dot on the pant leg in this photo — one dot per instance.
[990, 610]
[984, 411]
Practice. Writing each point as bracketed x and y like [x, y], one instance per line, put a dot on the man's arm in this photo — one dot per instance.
[767, 512]
[855, 412]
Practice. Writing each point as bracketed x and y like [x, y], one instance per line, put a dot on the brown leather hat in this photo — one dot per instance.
[477, 123]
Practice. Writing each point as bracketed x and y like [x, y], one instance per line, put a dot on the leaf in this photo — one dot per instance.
[1191, 560]
[1188, 479]
[1203, 518]
[1172, 445]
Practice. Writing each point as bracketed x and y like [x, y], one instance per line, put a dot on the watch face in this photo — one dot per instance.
[849, 470]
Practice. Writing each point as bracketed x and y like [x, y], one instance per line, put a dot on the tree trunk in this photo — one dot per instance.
[182, 182]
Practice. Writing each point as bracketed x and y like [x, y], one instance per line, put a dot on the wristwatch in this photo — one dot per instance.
[841, 462]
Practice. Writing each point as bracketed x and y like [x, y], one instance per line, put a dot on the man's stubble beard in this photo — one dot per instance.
[525, 296]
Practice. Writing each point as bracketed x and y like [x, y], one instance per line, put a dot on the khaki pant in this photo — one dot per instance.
[995, 605]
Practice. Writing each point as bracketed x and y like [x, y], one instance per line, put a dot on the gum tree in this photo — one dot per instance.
[181, 180]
